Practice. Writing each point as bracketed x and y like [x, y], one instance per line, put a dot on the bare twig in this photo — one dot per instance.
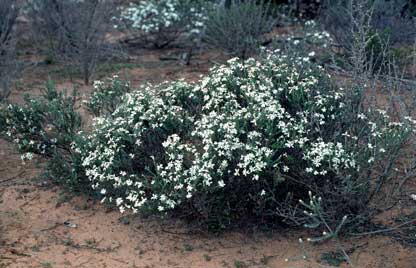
[13, 177]
[394, 228]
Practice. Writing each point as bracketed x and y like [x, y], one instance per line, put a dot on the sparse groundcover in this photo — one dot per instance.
[242, 145]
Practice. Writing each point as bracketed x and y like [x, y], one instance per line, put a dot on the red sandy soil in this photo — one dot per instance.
[32, 213]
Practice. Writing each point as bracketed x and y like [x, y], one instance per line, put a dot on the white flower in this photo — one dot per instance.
[285, 168]
[26, 156]
[119, 201]
[362, 116]
[122, 209]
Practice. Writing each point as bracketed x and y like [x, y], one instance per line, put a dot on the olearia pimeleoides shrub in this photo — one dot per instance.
[244, 144]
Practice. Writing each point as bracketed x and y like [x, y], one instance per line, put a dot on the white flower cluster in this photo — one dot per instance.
[327, 152]
[248, 123]
[24, 128]
[120, 145]
[316, 35]
[310, 38]
[153, 16]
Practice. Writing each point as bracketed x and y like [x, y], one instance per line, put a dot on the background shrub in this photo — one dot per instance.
[9, 10]
[368, 30]
[160, 23]
[73, 32]
[238, 29]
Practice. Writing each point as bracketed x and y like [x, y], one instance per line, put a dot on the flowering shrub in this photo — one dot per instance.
[248, 140]
[162, 22]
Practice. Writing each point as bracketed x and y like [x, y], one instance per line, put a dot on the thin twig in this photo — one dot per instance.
[13, 177]
[385, 230]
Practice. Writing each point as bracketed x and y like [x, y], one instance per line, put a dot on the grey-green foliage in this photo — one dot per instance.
[8, 18]
[47, 126]
[238, 28]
